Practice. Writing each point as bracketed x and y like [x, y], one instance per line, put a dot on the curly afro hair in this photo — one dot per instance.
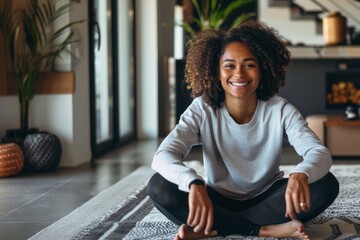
[205, 49]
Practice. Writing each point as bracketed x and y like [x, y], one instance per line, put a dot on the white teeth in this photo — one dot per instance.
[237, 84]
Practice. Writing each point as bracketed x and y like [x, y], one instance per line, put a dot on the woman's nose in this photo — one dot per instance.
[238, 72]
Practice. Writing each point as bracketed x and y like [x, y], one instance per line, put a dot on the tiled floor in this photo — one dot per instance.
[31, 202]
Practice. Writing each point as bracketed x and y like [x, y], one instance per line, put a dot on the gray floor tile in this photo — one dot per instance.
[11, 202]
[20, 230]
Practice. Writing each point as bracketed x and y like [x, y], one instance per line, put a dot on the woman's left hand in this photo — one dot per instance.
[297, 195]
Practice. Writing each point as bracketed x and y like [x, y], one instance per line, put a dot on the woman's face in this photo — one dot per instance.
[239, 71]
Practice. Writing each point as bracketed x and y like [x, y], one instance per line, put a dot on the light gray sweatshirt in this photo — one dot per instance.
[240, 160]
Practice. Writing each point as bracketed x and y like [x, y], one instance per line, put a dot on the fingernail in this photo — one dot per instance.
[213, 233]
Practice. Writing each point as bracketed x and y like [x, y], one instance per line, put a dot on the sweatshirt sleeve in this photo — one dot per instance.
[168, 159]
[317, 159]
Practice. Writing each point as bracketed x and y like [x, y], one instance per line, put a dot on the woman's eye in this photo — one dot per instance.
[229, 66]
[250, 65]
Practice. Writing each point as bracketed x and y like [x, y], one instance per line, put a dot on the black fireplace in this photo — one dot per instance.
[342, 89]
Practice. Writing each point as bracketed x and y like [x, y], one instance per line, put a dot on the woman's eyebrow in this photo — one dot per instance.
[245, 60]
[229, 60]
[250, 59]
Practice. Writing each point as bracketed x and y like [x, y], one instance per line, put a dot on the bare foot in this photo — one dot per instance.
[187, 233]
[293, 229]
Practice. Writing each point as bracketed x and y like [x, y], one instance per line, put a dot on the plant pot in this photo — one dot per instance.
[17, 135]
[42, 152]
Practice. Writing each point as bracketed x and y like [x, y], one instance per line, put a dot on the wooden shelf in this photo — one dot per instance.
[339, 120]
[47, 83]
[325, 52]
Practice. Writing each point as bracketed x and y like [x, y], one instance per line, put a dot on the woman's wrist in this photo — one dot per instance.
[197, 182]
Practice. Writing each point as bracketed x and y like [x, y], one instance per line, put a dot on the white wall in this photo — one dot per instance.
[147, 68]
[9, 114]
[81, 102]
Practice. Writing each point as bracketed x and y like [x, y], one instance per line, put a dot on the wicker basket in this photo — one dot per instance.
[11, 159]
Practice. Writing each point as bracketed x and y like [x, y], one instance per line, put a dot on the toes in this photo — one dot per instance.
[177, 237]
[182, 231]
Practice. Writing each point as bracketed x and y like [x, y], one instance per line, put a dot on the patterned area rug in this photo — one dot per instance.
[136, 217]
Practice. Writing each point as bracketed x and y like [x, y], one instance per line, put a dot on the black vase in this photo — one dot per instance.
[42, 152]
[18, 135]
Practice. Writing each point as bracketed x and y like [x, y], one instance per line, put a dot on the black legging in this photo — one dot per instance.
[242, 217]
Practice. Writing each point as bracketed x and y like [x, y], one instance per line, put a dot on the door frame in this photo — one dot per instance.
[99, 149]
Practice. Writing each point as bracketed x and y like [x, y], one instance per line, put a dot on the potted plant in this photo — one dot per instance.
[33, 46]
[212, 14]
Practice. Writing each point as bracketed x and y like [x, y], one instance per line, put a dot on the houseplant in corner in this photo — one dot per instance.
[33, 45]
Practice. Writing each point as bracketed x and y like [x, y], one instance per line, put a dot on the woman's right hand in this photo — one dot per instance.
[201, 212]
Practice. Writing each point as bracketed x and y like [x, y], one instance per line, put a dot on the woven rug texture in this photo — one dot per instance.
[136, 217]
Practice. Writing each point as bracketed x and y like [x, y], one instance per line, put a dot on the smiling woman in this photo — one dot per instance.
[240, 125]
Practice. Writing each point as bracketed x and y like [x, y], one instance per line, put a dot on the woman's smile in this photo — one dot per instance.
[240, 84]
